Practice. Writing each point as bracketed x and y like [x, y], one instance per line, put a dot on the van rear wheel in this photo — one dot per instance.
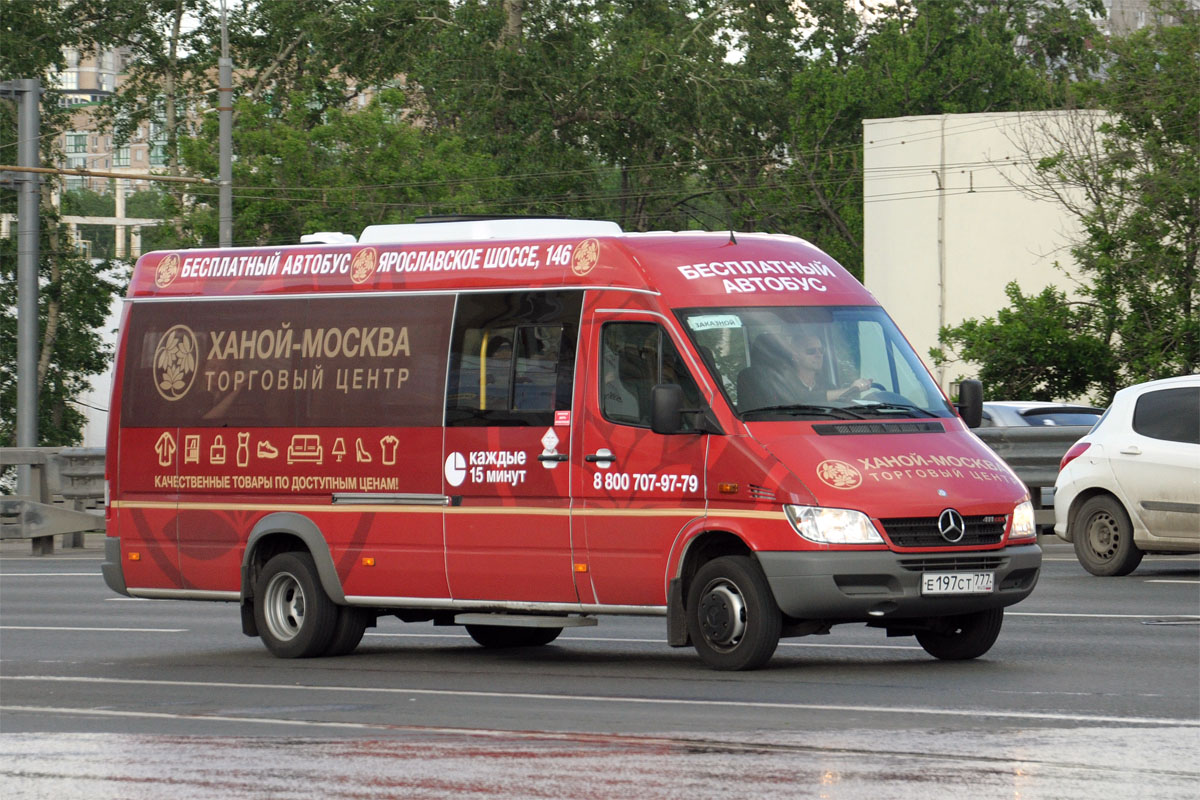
[964, 636]
[512, 635]
[295, 618]
[732, 617]
[348, 630]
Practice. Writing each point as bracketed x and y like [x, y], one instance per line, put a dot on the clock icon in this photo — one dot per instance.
[456, 469]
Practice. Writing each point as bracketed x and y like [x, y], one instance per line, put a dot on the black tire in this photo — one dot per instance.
[348, 630]
[961, 637]
[512, 635]
[1103, 538]
[295, 618]
[731, 614]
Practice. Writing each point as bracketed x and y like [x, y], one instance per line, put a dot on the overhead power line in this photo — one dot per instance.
[92, 173]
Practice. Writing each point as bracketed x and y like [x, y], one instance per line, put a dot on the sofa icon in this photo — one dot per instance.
[305, 448]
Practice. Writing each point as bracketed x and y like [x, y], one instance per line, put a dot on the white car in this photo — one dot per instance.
[1132, 485]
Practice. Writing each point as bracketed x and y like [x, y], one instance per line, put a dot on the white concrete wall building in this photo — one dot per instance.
[949, 218]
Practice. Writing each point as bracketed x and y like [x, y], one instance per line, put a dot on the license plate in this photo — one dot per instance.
[957, 582]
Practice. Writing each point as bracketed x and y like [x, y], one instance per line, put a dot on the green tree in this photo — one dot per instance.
[1032, 350]
[341, 173]
[1130, 174]
[74, 294]
[916, 57]
[74, 300]
[85, 202]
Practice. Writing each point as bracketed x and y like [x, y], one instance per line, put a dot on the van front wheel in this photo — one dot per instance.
[296, 619]
[732, 617]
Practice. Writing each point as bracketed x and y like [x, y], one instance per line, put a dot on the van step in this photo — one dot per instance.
[524, 620]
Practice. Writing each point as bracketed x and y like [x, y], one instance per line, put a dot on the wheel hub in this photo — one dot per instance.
[723, 615]
[1102, 535]
[284, 606]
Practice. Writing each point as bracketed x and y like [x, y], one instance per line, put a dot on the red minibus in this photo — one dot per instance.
[522, 425]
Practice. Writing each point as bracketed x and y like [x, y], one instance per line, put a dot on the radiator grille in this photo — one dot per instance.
[923, 531]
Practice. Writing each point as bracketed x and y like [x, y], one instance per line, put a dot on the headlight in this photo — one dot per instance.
[1023, 526]
[832, 525]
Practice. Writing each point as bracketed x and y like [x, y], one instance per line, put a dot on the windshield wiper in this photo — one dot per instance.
[800, 409]
[890, 408]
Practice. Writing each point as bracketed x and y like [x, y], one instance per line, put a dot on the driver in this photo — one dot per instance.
[810, 358]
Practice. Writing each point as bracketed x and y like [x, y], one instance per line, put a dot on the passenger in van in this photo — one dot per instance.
[770, 378]
[810, 358]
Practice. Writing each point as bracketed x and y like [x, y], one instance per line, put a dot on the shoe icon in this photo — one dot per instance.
[267, 450]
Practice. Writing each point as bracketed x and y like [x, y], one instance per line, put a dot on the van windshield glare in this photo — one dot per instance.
[772, 363]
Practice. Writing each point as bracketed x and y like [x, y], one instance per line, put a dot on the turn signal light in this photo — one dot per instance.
[135, 556]
[1077, 449]
[727, 488]
[368, 561]
[581, 567]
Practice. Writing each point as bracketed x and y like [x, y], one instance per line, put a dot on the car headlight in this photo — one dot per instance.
[1023, 526]
[832, 525]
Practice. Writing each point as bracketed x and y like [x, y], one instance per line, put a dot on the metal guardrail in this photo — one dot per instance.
[71, 479]
[1034, 453]
[66, 481]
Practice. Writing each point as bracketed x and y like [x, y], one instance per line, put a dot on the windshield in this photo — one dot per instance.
[779, 363]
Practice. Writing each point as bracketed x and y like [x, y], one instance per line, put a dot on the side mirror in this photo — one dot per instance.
[666, 415]
[970, 402]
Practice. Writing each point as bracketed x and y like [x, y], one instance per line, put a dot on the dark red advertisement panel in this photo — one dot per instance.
[305, 362]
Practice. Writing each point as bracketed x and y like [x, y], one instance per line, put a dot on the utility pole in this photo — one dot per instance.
[28, 92]
[225, 139]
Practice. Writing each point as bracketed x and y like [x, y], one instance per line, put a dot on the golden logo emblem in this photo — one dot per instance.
[167, 271]
[363, 265]
[175, 362]
[839, 474]
[585, 257]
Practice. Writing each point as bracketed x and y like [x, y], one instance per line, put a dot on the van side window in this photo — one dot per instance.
[512, 358]
[634, 356]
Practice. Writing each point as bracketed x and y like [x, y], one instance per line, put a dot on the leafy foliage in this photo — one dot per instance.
[656, 113]
[1131, 176]
[1039, 348]
[82, 292]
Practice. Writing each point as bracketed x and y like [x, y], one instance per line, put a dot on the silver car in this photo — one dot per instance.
[1015, 413]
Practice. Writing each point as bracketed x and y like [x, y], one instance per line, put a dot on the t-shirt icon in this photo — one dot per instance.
[387, 446]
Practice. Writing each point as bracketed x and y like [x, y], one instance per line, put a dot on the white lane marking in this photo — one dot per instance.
[56, 559]
[1008, 613]
[1167, 580]
[89, 630]
[642, 701]
[624, 640]
[97, 712]
[50, 575]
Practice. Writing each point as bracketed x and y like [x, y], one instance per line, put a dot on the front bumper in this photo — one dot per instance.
[877, 585]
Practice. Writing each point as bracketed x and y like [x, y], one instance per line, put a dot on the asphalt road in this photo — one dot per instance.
[1092, 690]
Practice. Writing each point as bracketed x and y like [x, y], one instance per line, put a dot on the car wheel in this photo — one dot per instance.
[512, 635]
[295, 618]
[732, 617]
[965, 636]
[1103, 537]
